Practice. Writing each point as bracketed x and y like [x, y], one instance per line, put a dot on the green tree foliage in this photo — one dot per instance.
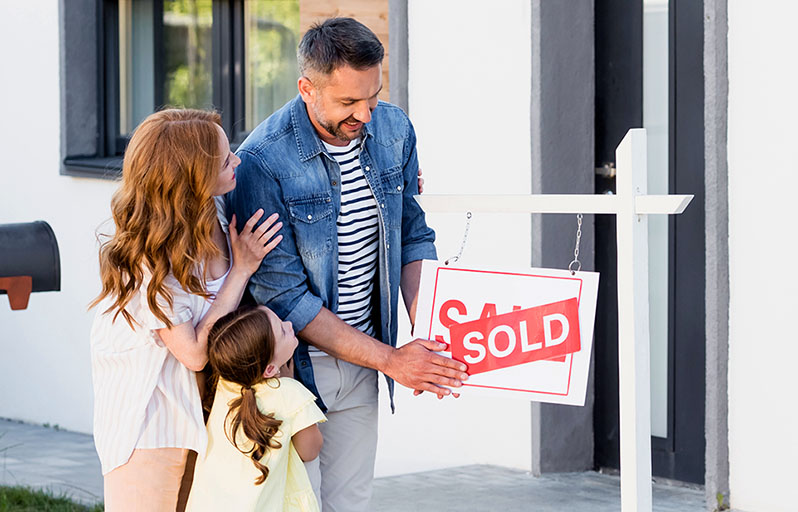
[272, 36]
[188, 58]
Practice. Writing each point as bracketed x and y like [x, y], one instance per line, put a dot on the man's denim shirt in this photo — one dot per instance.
[286, 169]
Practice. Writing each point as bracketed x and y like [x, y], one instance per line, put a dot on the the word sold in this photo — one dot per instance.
[550, 331]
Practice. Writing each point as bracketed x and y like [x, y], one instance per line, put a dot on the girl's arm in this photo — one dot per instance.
[307, 442]
[190, 345]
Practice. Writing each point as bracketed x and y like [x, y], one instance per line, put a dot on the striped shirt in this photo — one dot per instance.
[358, 240]
[143, 396]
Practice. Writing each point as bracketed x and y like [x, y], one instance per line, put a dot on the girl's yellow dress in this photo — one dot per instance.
[225, 478]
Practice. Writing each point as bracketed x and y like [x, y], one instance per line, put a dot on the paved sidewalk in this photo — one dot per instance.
[66, 463]
[46, 458]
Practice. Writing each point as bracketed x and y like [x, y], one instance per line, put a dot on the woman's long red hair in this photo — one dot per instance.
[163, 211]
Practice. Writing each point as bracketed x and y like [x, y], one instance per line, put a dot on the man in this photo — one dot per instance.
[340, 167]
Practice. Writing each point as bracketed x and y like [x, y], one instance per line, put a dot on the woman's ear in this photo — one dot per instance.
[271, 371]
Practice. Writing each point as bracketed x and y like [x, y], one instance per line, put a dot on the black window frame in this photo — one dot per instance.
[85, 63]
[98, 95]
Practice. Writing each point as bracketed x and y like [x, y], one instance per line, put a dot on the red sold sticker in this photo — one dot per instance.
[499, 341]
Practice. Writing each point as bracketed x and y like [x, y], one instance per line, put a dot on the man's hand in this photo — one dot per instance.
[416, 366]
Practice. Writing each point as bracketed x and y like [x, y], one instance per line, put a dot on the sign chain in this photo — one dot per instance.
[463, 243]
[575, 266]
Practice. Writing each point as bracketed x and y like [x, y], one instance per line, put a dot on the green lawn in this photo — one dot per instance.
[23, 499]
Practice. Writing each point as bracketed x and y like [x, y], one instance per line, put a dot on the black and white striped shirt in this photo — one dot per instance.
[358, 240]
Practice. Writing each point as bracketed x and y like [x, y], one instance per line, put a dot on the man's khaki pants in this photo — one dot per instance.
[341, 476]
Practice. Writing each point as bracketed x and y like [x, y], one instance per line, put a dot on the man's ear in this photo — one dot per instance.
[270, 371]
[306, 89]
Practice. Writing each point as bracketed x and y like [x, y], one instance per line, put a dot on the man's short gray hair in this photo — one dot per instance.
[336, 42]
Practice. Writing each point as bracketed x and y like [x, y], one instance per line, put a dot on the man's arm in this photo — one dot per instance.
[417, 244]
[281, 281]
[410, 281]
[414, 365]
[281, 284]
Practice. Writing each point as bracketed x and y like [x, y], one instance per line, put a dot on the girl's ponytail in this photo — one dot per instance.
[240, 347]
[258, 427]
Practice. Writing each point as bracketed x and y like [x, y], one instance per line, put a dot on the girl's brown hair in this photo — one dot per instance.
[163, 211]
[240, 347]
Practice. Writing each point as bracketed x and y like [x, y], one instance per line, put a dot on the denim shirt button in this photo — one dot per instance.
[368, 168]
[304, 364]
[399, 187]
[383, 205]
[334, 183]
[310, 217]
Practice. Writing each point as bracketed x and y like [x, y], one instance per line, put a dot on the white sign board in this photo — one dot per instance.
[525, 333]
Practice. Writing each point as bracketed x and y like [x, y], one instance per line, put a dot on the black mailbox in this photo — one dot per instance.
[29, 261]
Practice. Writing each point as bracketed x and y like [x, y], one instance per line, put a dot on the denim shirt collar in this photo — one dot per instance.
[308, 142]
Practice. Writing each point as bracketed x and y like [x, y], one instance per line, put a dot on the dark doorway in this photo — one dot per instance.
[678, 449]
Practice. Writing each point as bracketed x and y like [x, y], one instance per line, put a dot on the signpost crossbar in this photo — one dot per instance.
[549, 203]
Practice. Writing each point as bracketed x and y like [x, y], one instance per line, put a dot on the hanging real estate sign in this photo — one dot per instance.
[525, 333]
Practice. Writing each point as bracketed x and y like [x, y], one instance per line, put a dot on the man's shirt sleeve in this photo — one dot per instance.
[417, 238]
[281, 282]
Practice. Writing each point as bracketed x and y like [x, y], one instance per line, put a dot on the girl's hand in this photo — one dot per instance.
[251, 245]
[420, 182]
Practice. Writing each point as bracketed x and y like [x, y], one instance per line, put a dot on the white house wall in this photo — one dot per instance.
[763, 179]
[45, 374]
[469, 99]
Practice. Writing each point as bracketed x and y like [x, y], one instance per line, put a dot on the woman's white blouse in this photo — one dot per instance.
[143, 396]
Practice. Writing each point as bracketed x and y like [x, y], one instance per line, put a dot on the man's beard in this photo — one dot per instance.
[335, 129]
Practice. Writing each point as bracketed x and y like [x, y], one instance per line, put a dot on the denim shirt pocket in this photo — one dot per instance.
[393, 186]
[312, 220]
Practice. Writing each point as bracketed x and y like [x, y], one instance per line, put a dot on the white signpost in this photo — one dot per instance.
[630, 205]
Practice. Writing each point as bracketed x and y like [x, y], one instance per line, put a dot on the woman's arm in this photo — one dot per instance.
[190, 345]
[307, 442]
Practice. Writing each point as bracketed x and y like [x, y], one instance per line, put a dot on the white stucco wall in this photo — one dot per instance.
[44, 359]
[763, 178]
[469, 99]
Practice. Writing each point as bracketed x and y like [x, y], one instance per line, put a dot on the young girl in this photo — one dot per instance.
[168, 273]
[262, 426]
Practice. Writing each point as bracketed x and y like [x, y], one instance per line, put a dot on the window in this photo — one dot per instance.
[123, 59]
[238, 57]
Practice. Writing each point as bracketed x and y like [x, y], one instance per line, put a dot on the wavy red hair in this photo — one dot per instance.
[163, 211]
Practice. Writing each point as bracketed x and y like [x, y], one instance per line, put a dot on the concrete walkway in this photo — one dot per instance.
[66, 463]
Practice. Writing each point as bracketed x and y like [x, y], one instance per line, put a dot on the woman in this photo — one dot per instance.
[168, 273]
